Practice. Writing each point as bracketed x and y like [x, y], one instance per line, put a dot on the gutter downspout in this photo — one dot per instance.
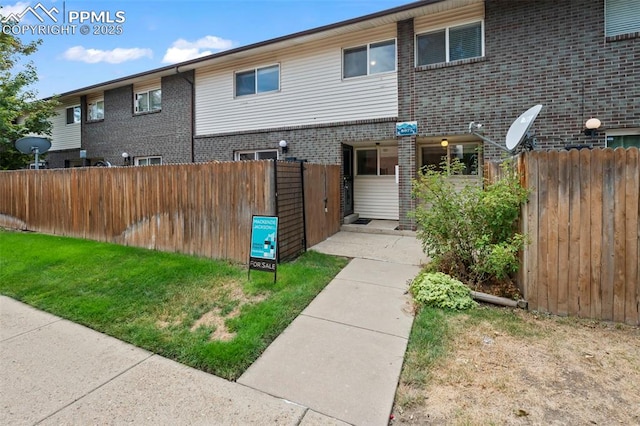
[193, 110]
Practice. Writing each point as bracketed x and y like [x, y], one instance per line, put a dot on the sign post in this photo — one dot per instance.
[264, 244]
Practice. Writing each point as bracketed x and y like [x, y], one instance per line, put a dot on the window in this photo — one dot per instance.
[380, 161]
[621, 17]
[73, 114]
[148, 101]
[96, 110]
[624, 138]
[148, 161]
[259, 80]
[438, 156]
[265, 154]
[372, 58]
[449, 44]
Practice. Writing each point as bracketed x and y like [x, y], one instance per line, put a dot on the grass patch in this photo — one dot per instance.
[432, 337]
[171, 304]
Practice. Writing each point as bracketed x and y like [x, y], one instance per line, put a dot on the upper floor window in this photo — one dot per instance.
[449, 44]
[148, 161]
[265, 154]
[621, 17]
[371, 58]
[148, 101]
[73, 114]
[96, 110]
[258, 80]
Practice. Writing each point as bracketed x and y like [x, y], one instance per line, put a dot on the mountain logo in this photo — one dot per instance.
[38, 11]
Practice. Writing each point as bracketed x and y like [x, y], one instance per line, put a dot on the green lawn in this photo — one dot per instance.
[200, 312]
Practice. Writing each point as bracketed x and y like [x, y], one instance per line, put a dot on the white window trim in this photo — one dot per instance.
[450, 157]
[150, 157]
[74, 122]
[446, 41]
[620, 132]
[236, 154]
[255, 87]
[368, 46]
[95, 102]
[630, 13]
[148, 93]
[378, 150]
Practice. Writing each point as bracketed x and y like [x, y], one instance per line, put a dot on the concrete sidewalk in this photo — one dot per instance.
[54, 372]
[339, 361]
[343, 355]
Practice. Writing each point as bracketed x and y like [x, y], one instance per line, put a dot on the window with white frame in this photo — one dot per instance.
[96, 110]
[74, 114]
[257, 80]
[257, 154]
[372, 58]
[148, 161]
[438, 157]
[378, 161]
[450, 44]
[621, 17]
[148, 101]
[623, 138]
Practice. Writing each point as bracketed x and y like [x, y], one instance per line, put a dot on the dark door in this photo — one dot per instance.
[347, 179]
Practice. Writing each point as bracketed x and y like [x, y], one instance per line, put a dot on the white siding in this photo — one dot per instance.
[376, 197]
[312, 90]
[63, 135]
[147, 85]
[457, 16]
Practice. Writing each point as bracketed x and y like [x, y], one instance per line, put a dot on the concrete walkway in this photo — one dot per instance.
[337, 362]
[343, 355]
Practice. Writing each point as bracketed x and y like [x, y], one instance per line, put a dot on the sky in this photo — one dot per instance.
[128, 37]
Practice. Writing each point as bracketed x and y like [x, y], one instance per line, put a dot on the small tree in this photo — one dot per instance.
[471, 233]
[21, 113]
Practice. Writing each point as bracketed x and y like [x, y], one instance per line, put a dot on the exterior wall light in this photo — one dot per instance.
[284, 145]
[444, 143]
[127, 158]
[592, 126]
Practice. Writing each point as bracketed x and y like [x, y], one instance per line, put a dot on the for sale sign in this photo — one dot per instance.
[264, 243]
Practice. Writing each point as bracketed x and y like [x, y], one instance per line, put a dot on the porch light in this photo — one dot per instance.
[444, 142]
[284, 145]
[127, 158]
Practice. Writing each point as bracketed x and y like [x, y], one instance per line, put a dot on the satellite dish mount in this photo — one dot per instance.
[33, 145]
[518, 135]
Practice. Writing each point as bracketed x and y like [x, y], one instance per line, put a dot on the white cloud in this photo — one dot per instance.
[115, 56]
[183, 50]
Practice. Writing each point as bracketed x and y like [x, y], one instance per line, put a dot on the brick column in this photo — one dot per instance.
[406, 112]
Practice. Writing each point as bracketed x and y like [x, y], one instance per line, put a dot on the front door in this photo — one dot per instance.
[347, 178]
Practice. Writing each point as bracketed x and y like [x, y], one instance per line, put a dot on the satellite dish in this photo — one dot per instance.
[519, 128]
[33, 145]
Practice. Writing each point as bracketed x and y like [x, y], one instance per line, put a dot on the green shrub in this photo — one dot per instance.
[470, 233]
[438, 290]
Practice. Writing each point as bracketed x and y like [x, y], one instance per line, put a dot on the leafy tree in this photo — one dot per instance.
[21, 112]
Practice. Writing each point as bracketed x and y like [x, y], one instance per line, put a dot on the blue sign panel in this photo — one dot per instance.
[264, 237]
[408, 128]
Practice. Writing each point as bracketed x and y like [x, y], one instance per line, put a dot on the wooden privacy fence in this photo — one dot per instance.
[202, 209]
[582, 219]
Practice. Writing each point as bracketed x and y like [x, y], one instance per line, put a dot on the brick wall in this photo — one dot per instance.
[406, 112]
[544, 51]
[166, 133]
[322, 144]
